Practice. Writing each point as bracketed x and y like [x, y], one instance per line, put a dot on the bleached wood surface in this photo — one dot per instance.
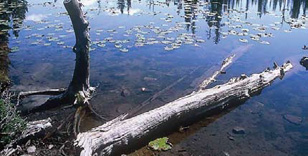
[118, 136]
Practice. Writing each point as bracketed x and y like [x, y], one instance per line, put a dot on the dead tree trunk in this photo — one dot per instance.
[79, 90]
[80, 82]
[122, 136]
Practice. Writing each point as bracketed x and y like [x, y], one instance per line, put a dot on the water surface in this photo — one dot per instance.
[141, 47]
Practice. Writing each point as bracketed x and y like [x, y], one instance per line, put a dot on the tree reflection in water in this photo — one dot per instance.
[12, 15]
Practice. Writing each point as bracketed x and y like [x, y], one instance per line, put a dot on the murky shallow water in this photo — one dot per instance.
[151, 44]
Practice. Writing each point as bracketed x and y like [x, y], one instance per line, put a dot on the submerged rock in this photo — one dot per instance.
[31, 149]
[238, 130]
[293, 119]
[125, 92]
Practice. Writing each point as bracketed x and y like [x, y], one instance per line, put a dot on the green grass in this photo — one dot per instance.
[11, 123]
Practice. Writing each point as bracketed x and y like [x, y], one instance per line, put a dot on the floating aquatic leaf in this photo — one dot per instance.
[168, 48]
[240, 34]
[70, 30]
[118, 45]
[188, 42]
[50, 34]
[245, 30]
[124, 50]
[60, 43]
[112, 41]
[264, 42]
[35, 43]
[243, 40]
[14, 49]
[111, 30]
[275, 28]
[101, 45]
[232, 32]
[200, 41]
[139, 44]
[160, 144]
[255, 37]
[166, 42]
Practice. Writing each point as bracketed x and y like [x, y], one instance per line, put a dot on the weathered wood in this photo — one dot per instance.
[211, 79]
[33, 130]
[80, 81]
[119, 136]
[79, 90]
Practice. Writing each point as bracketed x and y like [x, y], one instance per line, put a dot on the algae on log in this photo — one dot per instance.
[122, 136]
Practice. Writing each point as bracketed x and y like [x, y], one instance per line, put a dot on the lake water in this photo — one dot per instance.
[141, 47]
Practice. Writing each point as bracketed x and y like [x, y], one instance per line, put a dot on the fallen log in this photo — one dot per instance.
[33, 130]
[211, 79]
[122, 136]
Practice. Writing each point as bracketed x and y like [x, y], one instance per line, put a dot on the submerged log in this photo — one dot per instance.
[22, 95]
[122, 136]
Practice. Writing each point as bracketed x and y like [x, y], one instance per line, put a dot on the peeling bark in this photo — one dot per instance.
[122, 136]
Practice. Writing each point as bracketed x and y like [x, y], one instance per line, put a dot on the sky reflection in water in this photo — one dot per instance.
[151, 44]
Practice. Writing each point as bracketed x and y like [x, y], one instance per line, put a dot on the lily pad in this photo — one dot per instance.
[264, 42]
[243, 40]
[101, 45]
[124, 50]
[14, 49]
[160, 144]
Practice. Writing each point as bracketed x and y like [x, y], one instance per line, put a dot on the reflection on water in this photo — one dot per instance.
[12, 15]
[140, 47]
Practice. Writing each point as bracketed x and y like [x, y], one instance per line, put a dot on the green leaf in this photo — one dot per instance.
[160, 144]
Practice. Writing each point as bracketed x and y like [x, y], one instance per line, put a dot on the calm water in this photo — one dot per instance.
[151, 44]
